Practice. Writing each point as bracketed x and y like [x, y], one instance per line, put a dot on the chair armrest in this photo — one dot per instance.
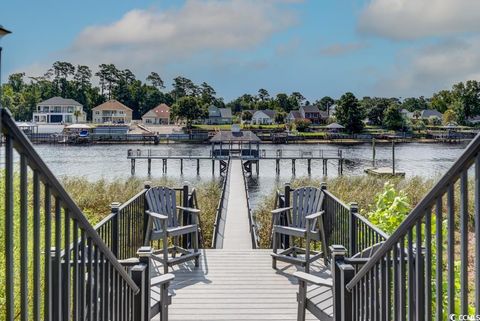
[189, 209]
[162, 279]
[314, 215]
[281, 210]
[157, 215]
[312, 279]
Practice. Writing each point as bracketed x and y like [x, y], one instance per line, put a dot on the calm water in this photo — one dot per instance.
[110, 161]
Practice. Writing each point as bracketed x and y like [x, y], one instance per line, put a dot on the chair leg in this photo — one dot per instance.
[195, 248]
[164, 302]
[165, 253]
[301, 298]
[307, 251]
[274, 243]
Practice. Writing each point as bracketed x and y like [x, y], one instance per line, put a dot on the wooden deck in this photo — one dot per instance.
[239, 285]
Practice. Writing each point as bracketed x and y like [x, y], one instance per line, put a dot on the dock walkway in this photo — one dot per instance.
[237, 227]
[239, 285]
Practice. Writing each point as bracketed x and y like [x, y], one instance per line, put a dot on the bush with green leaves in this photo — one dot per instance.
[390, 209]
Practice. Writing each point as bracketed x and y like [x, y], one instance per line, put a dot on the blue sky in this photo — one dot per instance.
[396, 48]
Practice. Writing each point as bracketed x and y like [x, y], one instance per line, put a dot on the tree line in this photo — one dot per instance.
[190, 101]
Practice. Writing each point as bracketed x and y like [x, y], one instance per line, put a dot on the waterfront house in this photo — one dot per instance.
[312, 113]
[293, 116]
[112, 111]
[428, 113]
[58, 110]
[219, 116]
[264, 117]
[159, 115]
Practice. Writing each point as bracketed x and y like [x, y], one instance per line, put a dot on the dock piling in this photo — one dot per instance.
[181, 166]
[132, 166]
[309, 166]
[149, 166]
[198, 166]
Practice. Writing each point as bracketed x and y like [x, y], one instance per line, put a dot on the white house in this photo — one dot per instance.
[112, 111]
[158, 115]
[58, 110]
[263, 117]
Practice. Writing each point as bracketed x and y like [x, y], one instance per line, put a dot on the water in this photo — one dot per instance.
[110, 162]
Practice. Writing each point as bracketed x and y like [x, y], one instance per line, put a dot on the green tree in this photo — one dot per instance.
[302, 124]
[349, 113]
[247, 116]
[393, 119]
[280, 117]
[187, 109]
[155, 79]
[449, 116]
[325, 103]
[263, 94]
[441, 101]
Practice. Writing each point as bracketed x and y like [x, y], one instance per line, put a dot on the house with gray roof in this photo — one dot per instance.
[312, 113]
[219, 116]
[264, 117]
[428, 113]
[293, 116]
[58, 110]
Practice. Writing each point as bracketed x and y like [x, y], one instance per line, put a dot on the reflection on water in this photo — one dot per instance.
[110, 161]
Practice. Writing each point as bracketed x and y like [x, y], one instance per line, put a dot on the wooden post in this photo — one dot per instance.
[342, 274]
[115, 207]
[132, 166]
[373, 152]
[198, 166]
[352, 248]
[393, 157]
[277, 166]
[293, 166]
[181, 165]
[257, 166]
[213, 167]
[149, 166]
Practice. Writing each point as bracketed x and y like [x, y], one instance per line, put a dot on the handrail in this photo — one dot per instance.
[251, 221]
[220, 206]
[35, 161]
[464, 161]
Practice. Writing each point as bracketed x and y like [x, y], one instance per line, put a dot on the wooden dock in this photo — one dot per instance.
[237, 227]
[252, 157]
[240, 285]
[384, 172]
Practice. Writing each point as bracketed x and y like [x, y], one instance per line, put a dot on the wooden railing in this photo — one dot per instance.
[343, 223]
[220, 216]
[124, 229]
[251, 220]
[429, 268]
[56, 266]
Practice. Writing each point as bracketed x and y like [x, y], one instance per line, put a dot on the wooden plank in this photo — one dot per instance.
[240, 285]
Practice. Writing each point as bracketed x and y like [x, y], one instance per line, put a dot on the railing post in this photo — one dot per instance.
[141, 276]
[342, 273]
[352, 246]
[56, 288]
[115, 206]
[186, 218]
[146, 185]
[285, 239]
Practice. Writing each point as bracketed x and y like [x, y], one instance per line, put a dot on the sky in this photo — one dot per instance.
[390, 48]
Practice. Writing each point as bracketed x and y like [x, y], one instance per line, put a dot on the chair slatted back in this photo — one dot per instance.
[368, 252]
[305, 201]
[162, 200]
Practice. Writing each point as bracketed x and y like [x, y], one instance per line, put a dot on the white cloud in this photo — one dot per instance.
[338, 49]
[411, 19]
[146, 37]
[428, 69]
